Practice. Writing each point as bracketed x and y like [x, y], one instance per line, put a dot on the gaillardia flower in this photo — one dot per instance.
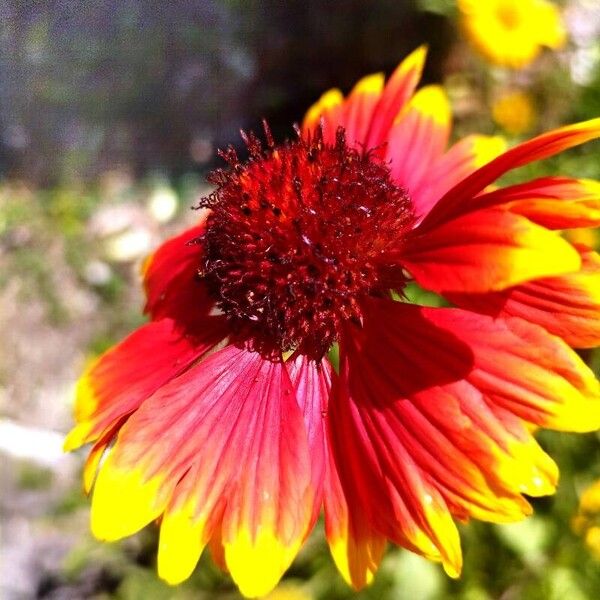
[223, 417]
[511, 33]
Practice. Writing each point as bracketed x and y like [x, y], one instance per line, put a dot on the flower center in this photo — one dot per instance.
[297, 235]
[509, 14]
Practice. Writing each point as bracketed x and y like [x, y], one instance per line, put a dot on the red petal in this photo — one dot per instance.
[517, 365]
[356, 547]
[486, 250]
[369, 110]
[173, 288]
[543, 146]
[326, 112]
[398, 90]
[381, 478]
[116, 383]
[233, 450]
[567, 306]
[428, 419]
[217, 552]
[359, 109]
[312, 383]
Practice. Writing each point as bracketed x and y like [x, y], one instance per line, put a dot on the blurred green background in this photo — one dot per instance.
[110, 116]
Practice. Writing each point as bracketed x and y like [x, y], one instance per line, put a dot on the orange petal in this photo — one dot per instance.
[355, 548]
[524, 369]
[117, 382]
[538, 148]
[369, 110]
[354, 114]
[567, 306]
[217, 552]
[428, 419]
[486, 250]
[380, 475]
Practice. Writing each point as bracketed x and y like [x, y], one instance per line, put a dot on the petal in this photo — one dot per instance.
[327, 110]
[419, 136]
[117, 382]
[381, 477]
[553, 202]
[461, 160]
[94, 458]
[551, 30]
[171, 280]
[398, 91]
[354, 114]
[518, 365]
[360, 107]
[428, 419]
[217, 552]
[312, 383]
[232, 451]
[370, 109]
[486, 250]
[356, 548]
[538, 148]
[184, 533]
[567, 306]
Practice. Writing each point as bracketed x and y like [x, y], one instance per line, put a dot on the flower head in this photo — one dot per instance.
[514, 112]
[512, 33]
[223, 416]
[321, 219]
[586, 522]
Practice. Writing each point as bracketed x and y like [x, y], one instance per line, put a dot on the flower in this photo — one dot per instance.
[514, 112]
[511, 33]
[586, 523]
[223, 416]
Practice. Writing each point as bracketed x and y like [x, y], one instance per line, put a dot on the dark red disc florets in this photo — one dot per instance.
[297, 235]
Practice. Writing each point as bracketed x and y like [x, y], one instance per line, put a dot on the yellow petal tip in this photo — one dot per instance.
[371, 84]
[257, 563]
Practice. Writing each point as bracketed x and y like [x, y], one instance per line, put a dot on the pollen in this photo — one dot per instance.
[297, 236]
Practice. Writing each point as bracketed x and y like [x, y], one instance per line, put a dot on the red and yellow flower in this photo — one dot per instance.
[223, 417]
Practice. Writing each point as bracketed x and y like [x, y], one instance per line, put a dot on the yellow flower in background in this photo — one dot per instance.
[586, 523]
[514, 112]
[592, 541]
[589, 502]
[511, 33]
